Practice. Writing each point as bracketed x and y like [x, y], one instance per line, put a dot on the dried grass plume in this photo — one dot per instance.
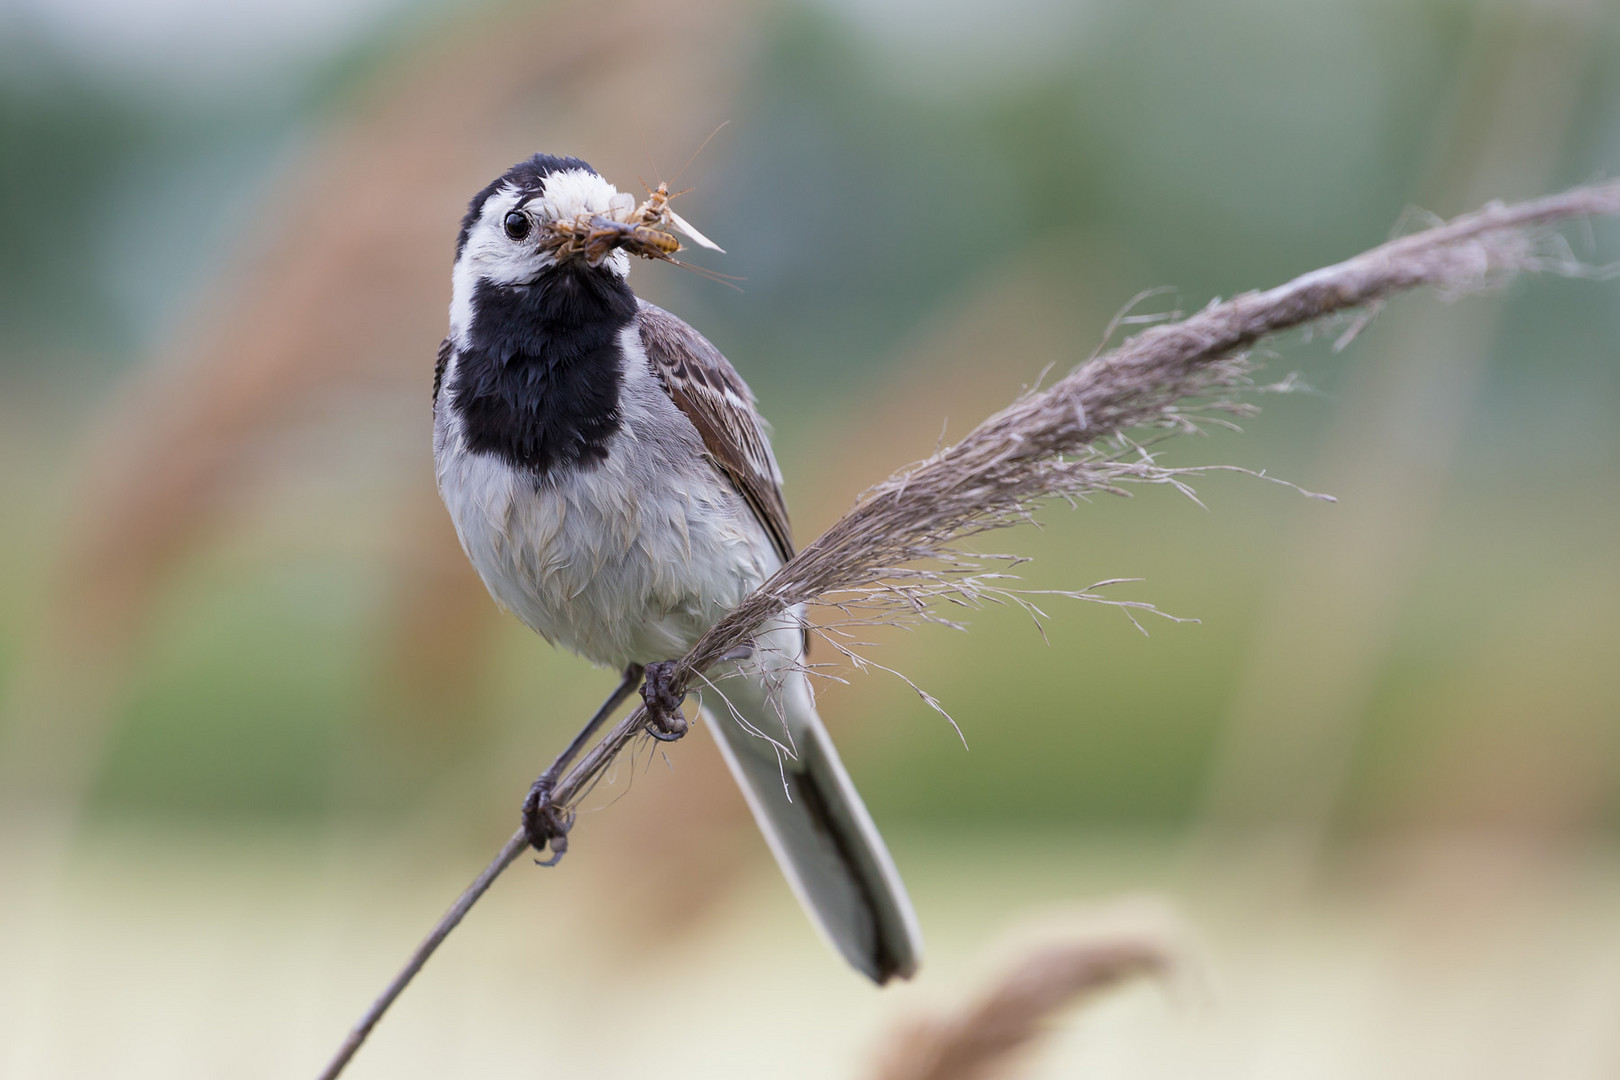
[989, 1037]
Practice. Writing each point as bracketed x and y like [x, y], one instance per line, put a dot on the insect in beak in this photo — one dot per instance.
[657, 213]
[647, 230]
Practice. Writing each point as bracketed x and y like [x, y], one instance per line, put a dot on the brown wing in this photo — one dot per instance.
[705, 387]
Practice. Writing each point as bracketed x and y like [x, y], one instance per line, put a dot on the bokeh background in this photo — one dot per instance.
[259, 723]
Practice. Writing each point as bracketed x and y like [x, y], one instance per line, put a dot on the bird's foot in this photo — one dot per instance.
[665, 722]
[546, 823]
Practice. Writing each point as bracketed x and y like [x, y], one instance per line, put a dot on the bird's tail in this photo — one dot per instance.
[766, 724]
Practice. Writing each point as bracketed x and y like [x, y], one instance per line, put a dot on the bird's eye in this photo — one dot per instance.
[517, 225]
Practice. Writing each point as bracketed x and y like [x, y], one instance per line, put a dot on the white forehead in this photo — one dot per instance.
[571, 192]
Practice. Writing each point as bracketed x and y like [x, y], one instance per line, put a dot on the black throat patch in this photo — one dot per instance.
[538, 383]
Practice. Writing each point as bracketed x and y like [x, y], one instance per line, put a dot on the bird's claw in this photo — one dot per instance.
[545, 823]
[665, 721]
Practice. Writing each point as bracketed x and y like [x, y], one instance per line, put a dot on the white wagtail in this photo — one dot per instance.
[613, 485]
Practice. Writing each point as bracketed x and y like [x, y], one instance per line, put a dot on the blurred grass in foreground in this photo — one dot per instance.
[251, 955]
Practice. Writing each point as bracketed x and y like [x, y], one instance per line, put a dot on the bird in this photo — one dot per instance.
[613, 484]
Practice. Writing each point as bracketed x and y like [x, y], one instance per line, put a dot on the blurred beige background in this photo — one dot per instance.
[259, 723]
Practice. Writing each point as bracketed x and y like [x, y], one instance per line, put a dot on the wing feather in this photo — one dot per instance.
[708, 390]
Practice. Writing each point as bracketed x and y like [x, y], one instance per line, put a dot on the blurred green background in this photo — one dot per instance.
[258, 721]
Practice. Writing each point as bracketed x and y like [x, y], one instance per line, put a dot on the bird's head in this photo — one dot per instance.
[509, 234]
[550, 214]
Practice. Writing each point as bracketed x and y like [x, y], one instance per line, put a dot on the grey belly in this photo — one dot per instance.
[617, 567]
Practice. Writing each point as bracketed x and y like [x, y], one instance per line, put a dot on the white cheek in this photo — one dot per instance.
[508, 262]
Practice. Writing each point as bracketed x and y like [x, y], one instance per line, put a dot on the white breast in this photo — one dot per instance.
[626, 562]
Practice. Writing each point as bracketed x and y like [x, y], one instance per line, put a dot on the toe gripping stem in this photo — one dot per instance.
[665, 721]
[545, 822]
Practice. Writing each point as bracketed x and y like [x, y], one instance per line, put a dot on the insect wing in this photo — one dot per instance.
[621, 206]
[690, 233]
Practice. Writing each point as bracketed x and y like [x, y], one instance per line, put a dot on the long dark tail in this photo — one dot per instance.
[816, 824]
